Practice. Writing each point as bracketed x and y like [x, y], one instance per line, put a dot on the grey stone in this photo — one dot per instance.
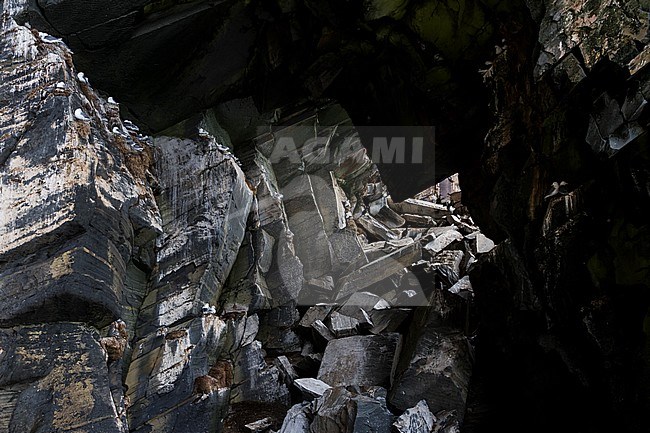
[443, 240]
[259, 425]
[437, 368]
[306, 223]
[43, 367]
[333, 412]
[311, 387]
[418, 220]
[389, 217]
[296, 420]
[362, 300]
[372, 415]
[417, 419]
[255, 380]
[483, 244]
[463, 288]
[285, 367]
[421, 208]
[376, 229]
[322, 330]
[343, 326]
[388, 320]
[317, 312]
[378, 270]
[360, 360]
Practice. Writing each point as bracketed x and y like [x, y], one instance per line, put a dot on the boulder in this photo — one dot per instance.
[360, 360]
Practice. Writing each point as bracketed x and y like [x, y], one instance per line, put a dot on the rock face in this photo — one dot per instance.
[268, 261]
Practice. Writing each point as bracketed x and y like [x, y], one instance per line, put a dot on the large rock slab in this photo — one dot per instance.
[378, 270]
[76, 205]
[420, 207]
[165, 366]
[360, 360]
[438, 369]
[205, 203]
[54, 377]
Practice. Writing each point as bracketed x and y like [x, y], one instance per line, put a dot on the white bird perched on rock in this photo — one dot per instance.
[136, 147]
[60, 85]
[49, 39]
[208, 309]
[82, 78]
[80, 115]
[130, 125]
[112, 101]
[203, 133]
[118, 131]
[557, 188]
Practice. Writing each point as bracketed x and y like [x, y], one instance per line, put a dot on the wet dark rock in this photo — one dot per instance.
[438, 369]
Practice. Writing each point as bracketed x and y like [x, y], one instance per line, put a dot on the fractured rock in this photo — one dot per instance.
[317, 312]
[296, 420]
[376, 229]
[436, 368]
[372, 415]
[343, 326]
[421, 208]
[417, 419]
[360, 360]
[311, 387]
[322, 330]
[443, 240]
[378, 270]
[333, 412]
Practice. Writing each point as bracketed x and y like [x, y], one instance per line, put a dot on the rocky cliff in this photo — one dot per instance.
[196, 236]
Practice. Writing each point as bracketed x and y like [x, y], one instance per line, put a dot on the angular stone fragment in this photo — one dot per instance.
[311, 387]
[421, 208]
[443, 240]
[417, 419]
[333, 412]
[343, 326]
[329, 200]
[388, 320]
[378, 270]
[376, 229]
[483, 244]
[296, 420]
[259, 425]
[255, 380]
[447, 265]
[418, 220]
[283, 363]
[306, 223]
[372, 416]
[463, 288]
[360, 360]
[362, 301]
[317, 312]
[322, 330]
[389, 217]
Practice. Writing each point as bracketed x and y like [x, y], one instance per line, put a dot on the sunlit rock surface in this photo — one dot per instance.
[250, 268]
